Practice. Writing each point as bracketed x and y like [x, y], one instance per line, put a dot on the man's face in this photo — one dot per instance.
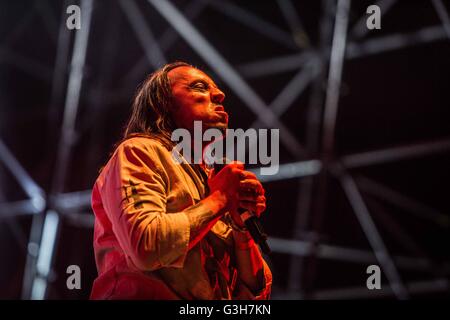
[196, 98]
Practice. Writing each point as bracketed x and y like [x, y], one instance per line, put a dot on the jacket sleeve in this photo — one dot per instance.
[134, 198]
[242, 292]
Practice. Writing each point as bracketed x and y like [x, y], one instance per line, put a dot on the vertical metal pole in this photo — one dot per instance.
[37, 197]
[51, 223]
[144, 34]
[11, 222]
[98, 106]
[335, 75]
[59, 74]
[329, 120]
[68, 132]
[298, 275]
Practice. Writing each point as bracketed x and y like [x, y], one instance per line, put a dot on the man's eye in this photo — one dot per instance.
[200, 85]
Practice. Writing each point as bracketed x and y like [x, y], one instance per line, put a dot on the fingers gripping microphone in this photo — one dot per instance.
[251, 221]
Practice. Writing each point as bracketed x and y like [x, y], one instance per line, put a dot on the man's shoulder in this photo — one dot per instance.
[151, 152]
[144, 142]
[145, 147]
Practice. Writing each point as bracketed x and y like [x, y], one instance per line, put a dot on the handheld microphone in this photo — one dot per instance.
[251, 221]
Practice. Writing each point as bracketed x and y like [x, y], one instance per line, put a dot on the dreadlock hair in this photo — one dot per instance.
[150, 114]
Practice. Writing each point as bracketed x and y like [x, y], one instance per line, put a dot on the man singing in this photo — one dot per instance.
[165, 230]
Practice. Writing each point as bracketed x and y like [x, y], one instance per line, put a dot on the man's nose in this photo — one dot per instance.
[217, 96]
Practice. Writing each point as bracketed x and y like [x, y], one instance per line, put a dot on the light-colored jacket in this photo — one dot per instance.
[141, 200]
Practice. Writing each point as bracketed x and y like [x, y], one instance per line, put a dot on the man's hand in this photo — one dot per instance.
[251, 197]
[240, 189]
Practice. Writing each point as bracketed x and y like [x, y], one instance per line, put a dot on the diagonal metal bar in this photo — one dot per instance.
[50, 23]
[226, 72]
[399, 200]
[148, 41]
[350, 293]
[395, 230]
[168, 38]
[395, 154]
[344, 254]
[13, 224]
[253, 21]
[302, 218]
[275, 65]
[354, 50]
[73, 201]
[290, 92]
[395, 42]
[293, 89]
[290, 14]
[64, 202]
[31, 188]
[26, 64]
[291, 170]
[372, 234]
[443, 15]
[19, 208]
[415, 287]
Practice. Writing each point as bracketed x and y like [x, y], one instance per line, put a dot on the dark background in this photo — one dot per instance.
[392, 98]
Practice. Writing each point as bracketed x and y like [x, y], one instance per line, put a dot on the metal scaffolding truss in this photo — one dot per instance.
[316, 161]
